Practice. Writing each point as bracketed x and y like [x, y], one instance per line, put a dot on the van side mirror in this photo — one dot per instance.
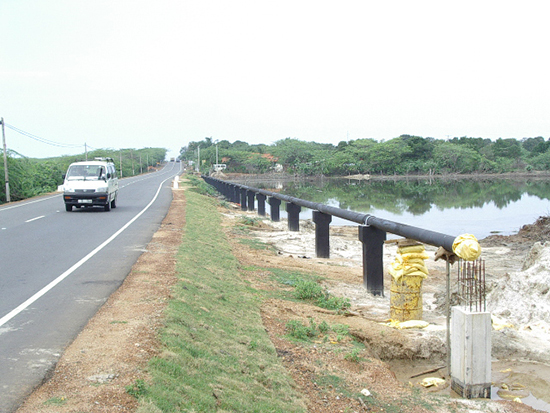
[63, 176]
[108, 175]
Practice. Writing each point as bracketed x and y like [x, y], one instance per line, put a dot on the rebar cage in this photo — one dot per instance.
[471, 285]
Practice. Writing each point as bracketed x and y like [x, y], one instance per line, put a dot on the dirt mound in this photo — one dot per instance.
[539, 231]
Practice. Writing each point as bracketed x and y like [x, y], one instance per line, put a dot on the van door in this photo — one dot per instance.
[113, 182]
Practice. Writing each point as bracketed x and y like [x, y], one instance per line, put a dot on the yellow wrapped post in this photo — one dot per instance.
[408, 272]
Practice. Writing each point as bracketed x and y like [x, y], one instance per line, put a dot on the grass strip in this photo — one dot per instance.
[217, 355]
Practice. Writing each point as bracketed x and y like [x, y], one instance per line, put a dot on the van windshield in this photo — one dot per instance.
[85, 173]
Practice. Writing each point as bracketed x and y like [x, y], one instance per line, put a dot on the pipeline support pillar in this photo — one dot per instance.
[275, 205]
[293, 211]
[261, 204]
[235, 194]
[243, 199]
[373, 262]
[322, 236]
[250, 195]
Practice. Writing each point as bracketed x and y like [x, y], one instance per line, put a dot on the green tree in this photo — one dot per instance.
[421, 148]
[542, 147]
[541, 162]
[506, 148]
[298, 155]
[450, 157]
[388, 157]
[531, 143]
[477, 144]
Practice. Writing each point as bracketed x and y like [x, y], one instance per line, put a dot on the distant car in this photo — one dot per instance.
[91, 183]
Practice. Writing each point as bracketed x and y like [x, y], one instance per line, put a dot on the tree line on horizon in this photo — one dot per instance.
[30, 177]
[404, 155]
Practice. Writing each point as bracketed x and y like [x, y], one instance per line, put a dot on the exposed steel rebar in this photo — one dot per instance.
[471, 289]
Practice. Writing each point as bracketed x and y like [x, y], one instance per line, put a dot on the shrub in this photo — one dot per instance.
[308, 290]
[300, 331]
[333, 303]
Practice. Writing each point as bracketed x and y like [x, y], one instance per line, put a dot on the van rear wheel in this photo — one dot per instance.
[113, 203]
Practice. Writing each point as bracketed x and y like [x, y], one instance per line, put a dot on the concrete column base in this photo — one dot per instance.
[471, 353]
[471, 391]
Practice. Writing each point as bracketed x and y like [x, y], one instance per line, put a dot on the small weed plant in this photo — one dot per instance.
[312, 291]
[330, 302]
[291, 278]
[302, 332]
[137, 389]
[225, 204]
[256, 244]
[250, 221]
[56, 401]
[324, 328]
[353, 355]
[308, 290]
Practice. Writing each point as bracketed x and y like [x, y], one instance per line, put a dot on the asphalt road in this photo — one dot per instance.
[57, 268]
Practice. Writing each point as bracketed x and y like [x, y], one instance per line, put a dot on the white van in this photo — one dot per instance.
[91, 183]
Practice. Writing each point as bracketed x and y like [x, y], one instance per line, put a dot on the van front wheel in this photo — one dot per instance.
[107, 206]
[68, 207]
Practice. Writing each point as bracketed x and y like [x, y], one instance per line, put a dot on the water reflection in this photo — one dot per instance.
[479, 206]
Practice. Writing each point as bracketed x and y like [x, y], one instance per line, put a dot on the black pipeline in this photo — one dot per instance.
[372, 230]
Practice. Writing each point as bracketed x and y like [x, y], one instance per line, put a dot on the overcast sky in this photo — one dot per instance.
[134, 73]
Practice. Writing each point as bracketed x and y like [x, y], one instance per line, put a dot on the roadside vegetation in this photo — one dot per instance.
[216, 354]
[30, 177]
[404, 155]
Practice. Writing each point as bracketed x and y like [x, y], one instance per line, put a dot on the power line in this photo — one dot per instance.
[42, 140]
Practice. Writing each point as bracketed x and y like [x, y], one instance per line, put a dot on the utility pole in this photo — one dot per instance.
[86, 150]
[199, 156]
[6, 177]
[120, 156]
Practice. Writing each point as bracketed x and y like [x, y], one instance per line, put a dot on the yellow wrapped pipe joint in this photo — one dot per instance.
[467, 247]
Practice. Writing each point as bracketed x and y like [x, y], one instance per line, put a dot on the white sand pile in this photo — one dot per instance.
[523, 297]
[520, 302]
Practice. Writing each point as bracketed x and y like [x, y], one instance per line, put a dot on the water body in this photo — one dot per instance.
[480, 206]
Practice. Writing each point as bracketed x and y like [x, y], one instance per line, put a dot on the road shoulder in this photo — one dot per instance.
[112, 351]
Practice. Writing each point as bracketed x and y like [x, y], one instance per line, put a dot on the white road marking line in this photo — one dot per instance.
[29, 202]
[34, 219]
[48, 287]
